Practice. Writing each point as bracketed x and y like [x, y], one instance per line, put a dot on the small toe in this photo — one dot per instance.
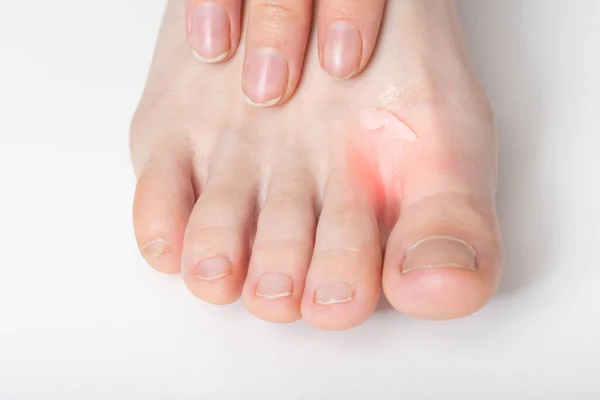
[343, 283]
[164, 198]
[217, 239]
[283, 248]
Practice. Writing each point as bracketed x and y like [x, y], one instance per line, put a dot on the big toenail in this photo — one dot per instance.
[156, 248]
[439, 252]
[213, 269]
[274, 286]
[210, 33]
[342, 49]
[333, 293]
[266, 77]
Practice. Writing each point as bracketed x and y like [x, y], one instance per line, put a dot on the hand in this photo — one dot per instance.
[277, 36]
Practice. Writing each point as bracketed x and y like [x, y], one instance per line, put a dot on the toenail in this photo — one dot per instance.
[439, 252]
[210, 32]
[156, 248]
[213, 269]
[342, 50]
[333, 293]
[274, 286]
[266, 77]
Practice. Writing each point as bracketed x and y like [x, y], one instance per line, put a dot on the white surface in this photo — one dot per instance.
[82, 317]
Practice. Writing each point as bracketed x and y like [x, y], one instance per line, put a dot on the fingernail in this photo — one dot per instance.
[266, 77]
[439, 252]
[156, 248]
[342, 49]
[274, 286]
[213, 269]
[333, 293]
[210, 32]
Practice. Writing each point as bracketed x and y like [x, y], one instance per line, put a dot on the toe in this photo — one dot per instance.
[343, 283]
[164, 199]
[283, 247]
[215, 252]
[443, 257]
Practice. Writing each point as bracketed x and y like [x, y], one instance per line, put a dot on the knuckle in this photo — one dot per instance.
[276, 12]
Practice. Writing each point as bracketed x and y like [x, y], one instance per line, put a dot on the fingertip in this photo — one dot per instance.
[276, 41]
[213, 29]
[348, 35]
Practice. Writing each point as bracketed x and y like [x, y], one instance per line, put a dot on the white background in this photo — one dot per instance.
[82, 317]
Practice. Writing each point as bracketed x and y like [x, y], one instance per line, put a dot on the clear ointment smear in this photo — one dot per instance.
[373, 119]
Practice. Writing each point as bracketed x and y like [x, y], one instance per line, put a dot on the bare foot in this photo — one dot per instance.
[290, 207]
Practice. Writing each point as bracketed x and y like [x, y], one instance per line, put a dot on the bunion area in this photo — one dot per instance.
[373, 119]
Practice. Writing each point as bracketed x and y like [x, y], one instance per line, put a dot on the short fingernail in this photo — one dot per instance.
[210, 32]
[342, 49]
[266, 77]
[156, 248]
[439, 252]
[213, 269]
[274, 286]
[333, 293]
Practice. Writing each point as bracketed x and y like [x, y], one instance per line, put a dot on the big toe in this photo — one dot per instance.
[443, 258]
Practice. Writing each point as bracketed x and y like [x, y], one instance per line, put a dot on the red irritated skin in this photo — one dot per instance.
[276, 38]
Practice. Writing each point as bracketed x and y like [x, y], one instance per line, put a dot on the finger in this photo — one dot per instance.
[348, 31]
[276, 44]
[213, 28]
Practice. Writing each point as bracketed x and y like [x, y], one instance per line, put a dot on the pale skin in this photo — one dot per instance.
[300, 210]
